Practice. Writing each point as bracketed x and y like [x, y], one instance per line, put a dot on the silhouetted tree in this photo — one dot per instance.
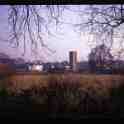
[100, 58]
[92, 63]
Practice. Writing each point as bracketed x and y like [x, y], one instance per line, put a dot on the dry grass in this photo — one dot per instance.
[100, 83]
[69, 92]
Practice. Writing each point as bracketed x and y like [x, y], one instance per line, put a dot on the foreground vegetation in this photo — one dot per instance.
[81, 95]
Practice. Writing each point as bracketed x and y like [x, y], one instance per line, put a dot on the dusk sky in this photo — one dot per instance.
[65, 39]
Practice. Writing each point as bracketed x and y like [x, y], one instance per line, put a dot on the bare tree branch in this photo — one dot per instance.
[27, 23]
[103, 21]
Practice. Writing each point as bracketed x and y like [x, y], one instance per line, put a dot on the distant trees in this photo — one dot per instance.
[100, 58]
[5, 69]
[19, 61]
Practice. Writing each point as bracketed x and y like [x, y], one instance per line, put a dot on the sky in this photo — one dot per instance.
[65, 40]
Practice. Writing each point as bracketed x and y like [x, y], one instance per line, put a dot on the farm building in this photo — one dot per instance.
[35, 67]
[21, 67]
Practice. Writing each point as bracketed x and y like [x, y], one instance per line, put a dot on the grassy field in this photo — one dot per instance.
[97, 82]
[63, 93]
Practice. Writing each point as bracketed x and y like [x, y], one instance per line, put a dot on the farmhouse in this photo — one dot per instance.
[35, 67]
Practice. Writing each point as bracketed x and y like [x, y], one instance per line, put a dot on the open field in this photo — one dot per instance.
[67, 93]
[97, 82]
